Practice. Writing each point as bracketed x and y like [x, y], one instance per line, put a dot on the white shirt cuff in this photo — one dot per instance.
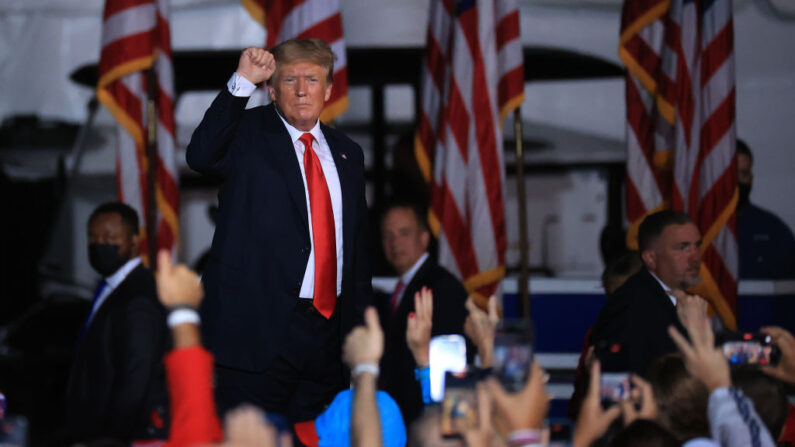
[240, 86]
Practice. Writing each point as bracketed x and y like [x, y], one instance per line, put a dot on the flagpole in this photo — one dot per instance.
[151, 167]
[524, 298]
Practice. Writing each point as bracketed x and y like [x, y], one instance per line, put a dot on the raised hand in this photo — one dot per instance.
[480, 327]
[418, 327]
[365, 344]
[527, 408]
[689, 307]
[702, 359]
[481, 435]
[593, 420]
[785, 370]
[256, 64]
[177, 284]
[643, 396]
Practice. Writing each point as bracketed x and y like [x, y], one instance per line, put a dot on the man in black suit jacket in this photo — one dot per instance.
[117, 379]
[638, 314]
[273, 264]
[405, 238]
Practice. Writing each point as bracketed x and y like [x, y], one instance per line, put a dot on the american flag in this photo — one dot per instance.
[472, 77]
[136, 37]
[306, 19]
[680, 128]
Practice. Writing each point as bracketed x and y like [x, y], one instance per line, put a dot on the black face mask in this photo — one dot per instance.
[744, 193]
[105, 258]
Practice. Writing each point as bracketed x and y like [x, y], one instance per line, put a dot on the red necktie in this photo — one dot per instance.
[325, 241]
[393, 300]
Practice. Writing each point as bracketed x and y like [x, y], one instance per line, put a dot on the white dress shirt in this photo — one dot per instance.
[113, 281]
[408, 276]
[240, 86]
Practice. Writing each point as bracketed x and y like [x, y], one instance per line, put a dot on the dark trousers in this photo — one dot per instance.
[301, 380]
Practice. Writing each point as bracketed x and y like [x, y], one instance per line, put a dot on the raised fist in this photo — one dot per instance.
[256, 64]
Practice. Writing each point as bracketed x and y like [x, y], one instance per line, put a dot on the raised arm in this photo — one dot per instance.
[481, 327]
[362, 352]
[732, 418]
[209, 150]
[189, 368]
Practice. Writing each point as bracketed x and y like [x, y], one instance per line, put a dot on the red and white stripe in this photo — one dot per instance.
[136, 37]
[680, 127]
[305, 19]
[472, 77]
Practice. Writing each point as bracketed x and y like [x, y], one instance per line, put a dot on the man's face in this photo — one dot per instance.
[300, 90]
[676, 257]
[403, 240]
[745, 176]
[110, 229]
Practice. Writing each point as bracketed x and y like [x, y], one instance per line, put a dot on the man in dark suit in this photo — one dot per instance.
[117, 379]
[765, 242]
[405, 239]
[288, 273]
[638, 314]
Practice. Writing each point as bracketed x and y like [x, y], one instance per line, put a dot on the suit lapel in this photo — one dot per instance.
[105, 307]
[119, 292]
[348, 198]
[669, 306]
[277, 140]
[664, 301]
[414, 286]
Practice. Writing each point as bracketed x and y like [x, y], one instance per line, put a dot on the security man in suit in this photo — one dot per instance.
[765, 242]
[638, 314]
[117, 388]
[288, 273]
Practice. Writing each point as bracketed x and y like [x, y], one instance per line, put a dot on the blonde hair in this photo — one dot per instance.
[316, 51]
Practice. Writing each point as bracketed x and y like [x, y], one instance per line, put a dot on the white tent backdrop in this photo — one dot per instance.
[43, 41]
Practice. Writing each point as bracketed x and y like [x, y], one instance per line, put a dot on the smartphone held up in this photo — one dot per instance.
[447, 353]
[615, 383]
[460, 404]
[454, 384]
[513, 353]
[745, 348]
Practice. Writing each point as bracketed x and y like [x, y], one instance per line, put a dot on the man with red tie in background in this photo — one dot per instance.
[405, 237]
[288, 273]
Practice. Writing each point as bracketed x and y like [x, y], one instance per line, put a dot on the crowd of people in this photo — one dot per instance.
[689, 397]
[282, 339]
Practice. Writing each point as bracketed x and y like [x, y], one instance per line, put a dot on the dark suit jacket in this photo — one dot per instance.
[637, 316]
[767, 245]
[261, 244]
[117, 377]
[449, 314]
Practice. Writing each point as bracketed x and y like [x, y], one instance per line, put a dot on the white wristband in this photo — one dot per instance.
[182, 316]
[371, 368]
